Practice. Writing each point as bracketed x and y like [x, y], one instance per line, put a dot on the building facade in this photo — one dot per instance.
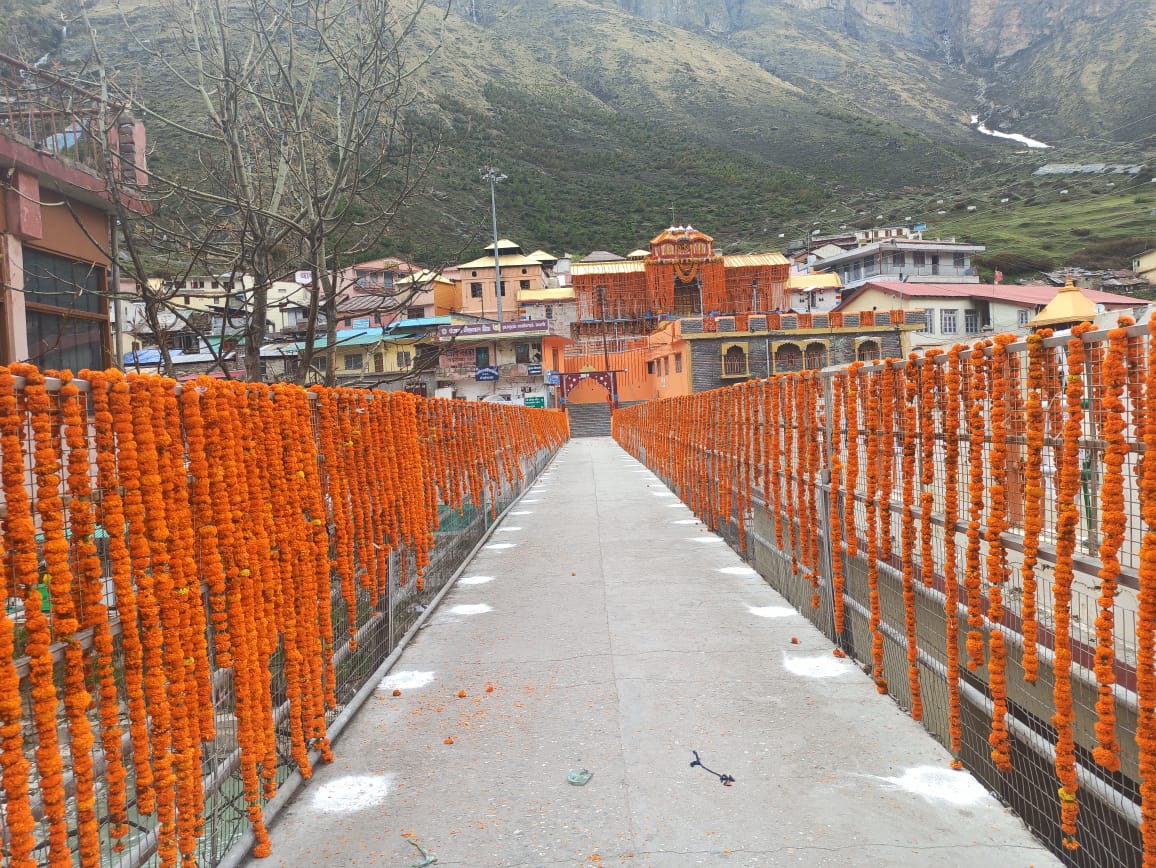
[57, 218]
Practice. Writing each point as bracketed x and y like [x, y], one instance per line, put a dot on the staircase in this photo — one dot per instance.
[589, 420]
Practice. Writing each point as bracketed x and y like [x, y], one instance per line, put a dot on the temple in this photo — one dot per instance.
[680, 276]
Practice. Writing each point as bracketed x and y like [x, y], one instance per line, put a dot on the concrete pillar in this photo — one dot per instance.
[15, 336]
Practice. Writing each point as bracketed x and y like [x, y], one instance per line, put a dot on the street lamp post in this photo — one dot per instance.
[494, 175]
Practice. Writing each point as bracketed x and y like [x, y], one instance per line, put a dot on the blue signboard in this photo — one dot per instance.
[553, 378]
[534, 370]
[486, 375]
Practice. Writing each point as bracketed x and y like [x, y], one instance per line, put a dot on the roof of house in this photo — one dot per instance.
[419, 322]
[504, 259]
[504, 244]
[814, 281]
[425, 276]
[563, 293]
[1035, 295]
[600, 256]
[680, 233]
[904, 244]
[618, 266]
[543, 256]
[754, 259]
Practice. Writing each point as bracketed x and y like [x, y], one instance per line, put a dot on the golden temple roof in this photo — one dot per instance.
[1069, 306]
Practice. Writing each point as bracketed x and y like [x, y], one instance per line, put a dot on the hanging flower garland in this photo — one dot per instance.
[1066, 526]
[1113, 526]
[1033, 499]
[1146, 614]
[997, 523]
[928, 389]
[950, 414]
[20, 562]
[853, 397]
[874, 459]
[835, 521]
[910, 441]
[977, 491]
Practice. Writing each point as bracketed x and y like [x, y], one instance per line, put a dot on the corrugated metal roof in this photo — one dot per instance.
[618, 267]
[565, 293]
[419, 322]
[750, 259]
[1038, 294]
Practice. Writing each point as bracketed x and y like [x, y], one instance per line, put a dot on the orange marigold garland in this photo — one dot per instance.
[853, 397]
[1038, 355]
[835, 521]
[977, 490]
[20, 563]
[928, 388]
[997, 523]
[910, 438]
[58, 579]
[1146, 615]
[94, 617]
[1066, 527]
[1113, 525]
[874, 459]
[950, 413]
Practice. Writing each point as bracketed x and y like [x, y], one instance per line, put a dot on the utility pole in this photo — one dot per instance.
[602, 306]
[494, 175]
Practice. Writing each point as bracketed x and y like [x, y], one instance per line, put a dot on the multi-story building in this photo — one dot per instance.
[903, 259]
[960, 311]
[57, 221]
[477, 286]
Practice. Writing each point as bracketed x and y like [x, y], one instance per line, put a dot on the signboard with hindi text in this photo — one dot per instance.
[534, 401]
[492, 329]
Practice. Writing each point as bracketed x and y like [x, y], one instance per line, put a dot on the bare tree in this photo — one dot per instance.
[290, 117]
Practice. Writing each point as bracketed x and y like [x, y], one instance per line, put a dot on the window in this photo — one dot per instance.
[354, 361]
[404, 359]
[523, 284]
[735, 361]
[971, 322]
[522, 354]
[549, 311]
[1023, 317]
[216, 284]
[650, 367]
[415, 312]
[65, 312]
[482, 357]
[678, 363]
[196, 284]
[949, 322]
[919, 258]
[898, 260]
[320, 362]
[666, 366]
[378, 362]
[503, 285]
[473, 274]
[187, 300]
[959, 260]
[475, 290]
[524, 271]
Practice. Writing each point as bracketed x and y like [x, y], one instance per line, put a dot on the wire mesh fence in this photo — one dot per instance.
[1009, 423]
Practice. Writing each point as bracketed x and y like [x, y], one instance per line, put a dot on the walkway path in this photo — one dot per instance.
[619, 636]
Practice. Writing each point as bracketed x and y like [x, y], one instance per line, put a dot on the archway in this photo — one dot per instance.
[816, 356]
[868, 351]
[788, 357]
[588, 391]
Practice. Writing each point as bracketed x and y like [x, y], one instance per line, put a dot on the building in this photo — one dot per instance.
[496, 361]
[814, 292]
[1144, 265]
[57, 221]
[429, 294]
[960, 311]
[681, 275]
[477, 288]
[903, 259]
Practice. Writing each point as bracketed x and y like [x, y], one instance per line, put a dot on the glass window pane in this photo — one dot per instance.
[60, 282]
[62, 342]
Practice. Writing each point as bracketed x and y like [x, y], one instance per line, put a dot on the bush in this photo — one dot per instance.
[1082, 233]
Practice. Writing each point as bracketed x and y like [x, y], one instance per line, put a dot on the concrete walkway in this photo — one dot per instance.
[619, 636]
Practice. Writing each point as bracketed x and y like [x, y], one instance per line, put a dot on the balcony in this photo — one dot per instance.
[55, 129]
